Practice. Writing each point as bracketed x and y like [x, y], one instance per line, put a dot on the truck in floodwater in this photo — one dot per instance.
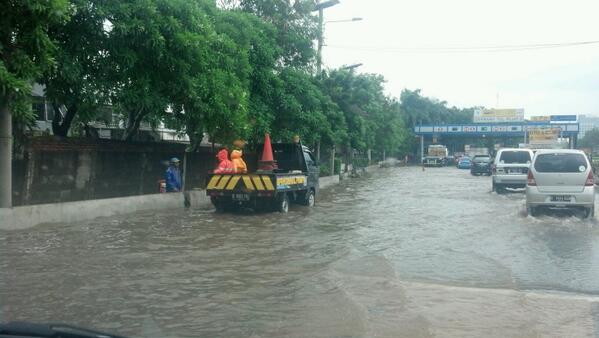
[436, 156]
[294, 180]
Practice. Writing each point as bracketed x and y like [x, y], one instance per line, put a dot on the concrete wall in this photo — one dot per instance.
[24, 217]
[327, 181]
[28, 216]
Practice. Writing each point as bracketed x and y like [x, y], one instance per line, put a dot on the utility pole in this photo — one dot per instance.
[5, 154]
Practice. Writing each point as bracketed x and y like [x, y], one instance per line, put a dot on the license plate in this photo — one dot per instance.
[515, 171]
[241, 197]
[561, 198]
[431, 162]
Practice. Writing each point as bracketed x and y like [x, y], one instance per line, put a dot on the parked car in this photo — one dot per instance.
[560, 179]
[481, 165]
[510, 168]
[464, 163]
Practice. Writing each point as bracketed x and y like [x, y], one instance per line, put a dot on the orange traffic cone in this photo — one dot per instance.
[267, 163]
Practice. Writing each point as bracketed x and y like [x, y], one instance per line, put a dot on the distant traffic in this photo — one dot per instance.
[552, 179]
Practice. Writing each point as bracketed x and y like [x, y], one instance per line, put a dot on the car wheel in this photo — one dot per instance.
[532, 211]
[283, 204]
[499, 189]
[310, 198]
[589, 212]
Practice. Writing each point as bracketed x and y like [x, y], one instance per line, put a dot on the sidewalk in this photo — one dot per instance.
[28, 216]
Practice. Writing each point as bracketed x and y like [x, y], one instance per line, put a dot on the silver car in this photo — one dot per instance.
[510, 168]
[560, 179]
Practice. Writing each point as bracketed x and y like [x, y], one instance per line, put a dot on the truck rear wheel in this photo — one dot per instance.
[283, 204]
[309, 198]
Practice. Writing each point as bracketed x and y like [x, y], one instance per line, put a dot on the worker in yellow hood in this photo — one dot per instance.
[238, 163]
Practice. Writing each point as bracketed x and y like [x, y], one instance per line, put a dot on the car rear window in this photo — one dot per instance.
[560, 163]
[514, 157]
[482, 159]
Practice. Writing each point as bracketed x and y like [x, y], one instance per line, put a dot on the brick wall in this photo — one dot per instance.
[54, 170]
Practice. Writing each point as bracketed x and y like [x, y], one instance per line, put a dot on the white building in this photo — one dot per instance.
[587, 123]
[110, 124]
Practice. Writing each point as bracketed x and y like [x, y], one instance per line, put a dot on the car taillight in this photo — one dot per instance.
[493, 168]
[531, 179]
[590, 180]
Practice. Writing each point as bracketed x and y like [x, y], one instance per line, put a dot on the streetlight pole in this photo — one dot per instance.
[320, 7]
[320, 41]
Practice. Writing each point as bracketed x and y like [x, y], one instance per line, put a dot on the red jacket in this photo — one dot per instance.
[225, 166]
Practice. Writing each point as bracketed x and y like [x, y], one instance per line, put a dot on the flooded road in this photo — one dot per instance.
[403, 253]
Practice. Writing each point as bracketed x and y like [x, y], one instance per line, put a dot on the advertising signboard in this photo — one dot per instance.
[546, 118]
[498, 115]
[543, 135]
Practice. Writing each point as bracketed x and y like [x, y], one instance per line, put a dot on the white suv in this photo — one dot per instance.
[510, 168]
[560, 179]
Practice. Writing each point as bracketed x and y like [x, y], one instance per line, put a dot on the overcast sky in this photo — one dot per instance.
[391, 39]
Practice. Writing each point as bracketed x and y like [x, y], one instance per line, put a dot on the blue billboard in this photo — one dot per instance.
[563, 118]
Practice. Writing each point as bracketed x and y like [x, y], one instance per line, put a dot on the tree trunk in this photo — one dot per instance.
[318, 150]
[195, 133]
[5, 154]
[62, 124]
[133, 123]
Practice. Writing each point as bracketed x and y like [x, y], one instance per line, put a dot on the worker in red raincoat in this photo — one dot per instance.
[225, 166]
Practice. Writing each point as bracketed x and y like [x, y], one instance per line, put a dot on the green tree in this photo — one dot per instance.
[75, 85]
[373, 120]
[420, 109]
[26, 51]
[296, 27]
[590, 139]
[304, 109]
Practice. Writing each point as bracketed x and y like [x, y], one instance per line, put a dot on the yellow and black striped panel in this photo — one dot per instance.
[223, 182]
[258, 182]
[247, 181]
[250, 182]
[268, 183]
[233, 182]
[213, 182]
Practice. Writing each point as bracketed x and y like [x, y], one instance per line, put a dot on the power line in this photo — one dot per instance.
[465, 49]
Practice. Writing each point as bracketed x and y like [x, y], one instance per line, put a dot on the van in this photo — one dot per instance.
[560, 179]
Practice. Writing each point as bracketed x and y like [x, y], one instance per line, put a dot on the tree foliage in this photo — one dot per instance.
[419, 109]
[590, 139]
[296, 27]
[74, 86]
[230, 69]
[373, 119]
[26, 49]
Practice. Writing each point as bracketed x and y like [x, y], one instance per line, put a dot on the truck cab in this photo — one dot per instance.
[295, 180]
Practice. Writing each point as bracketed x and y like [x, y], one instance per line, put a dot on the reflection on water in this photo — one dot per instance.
[403, 253]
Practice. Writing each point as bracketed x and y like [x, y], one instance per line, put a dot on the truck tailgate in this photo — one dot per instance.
[245, 183]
